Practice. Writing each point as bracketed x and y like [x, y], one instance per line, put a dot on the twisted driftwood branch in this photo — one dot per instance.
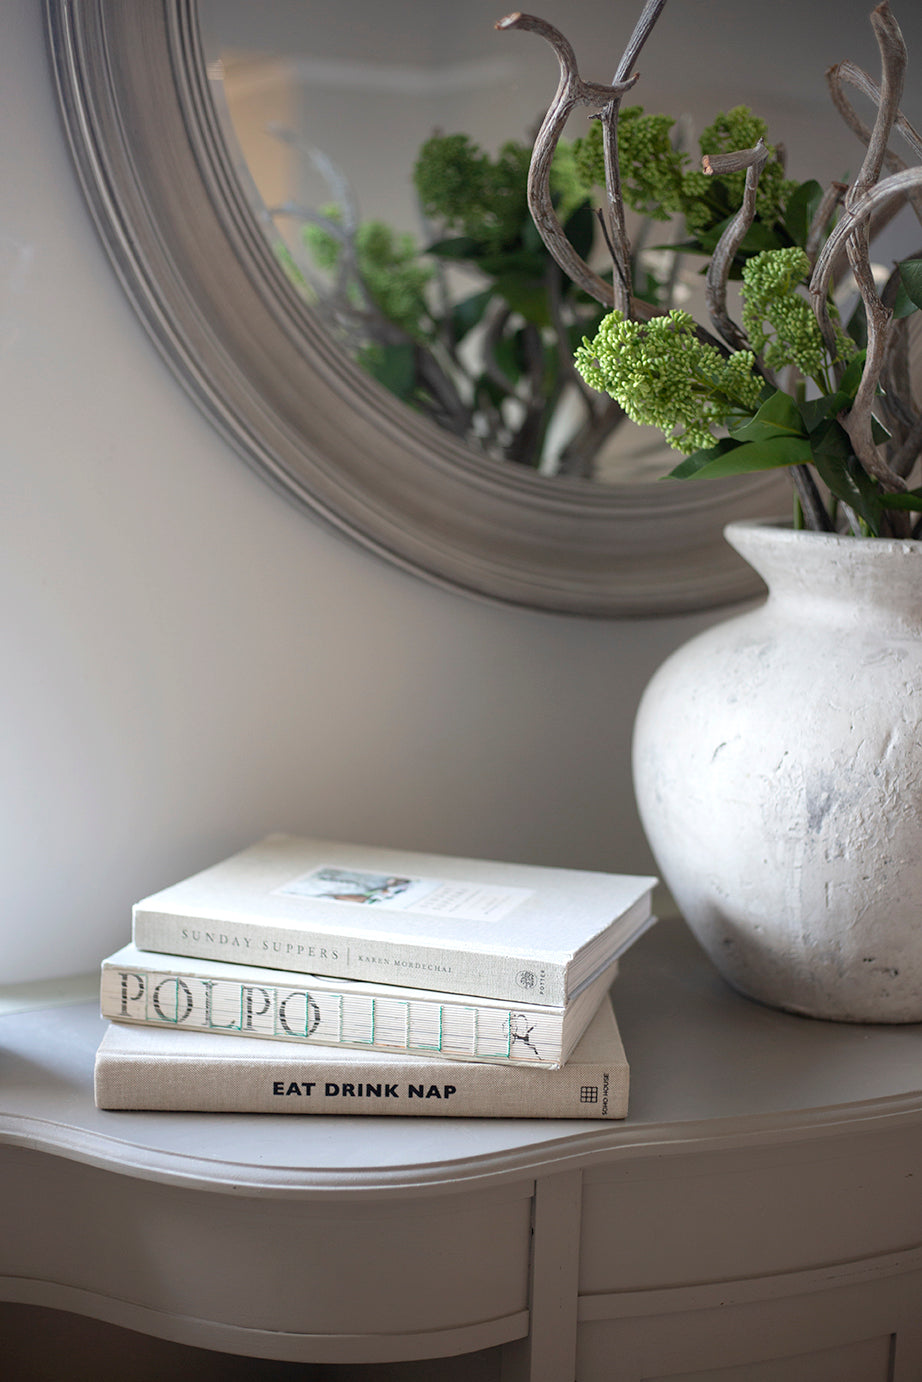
[894, 188]
[608, 117]
[857, 421]
[572, 92]
[718, 274]
[889, 116]
[831, 198]
[893, 65]
[851, 73]
[895, 378]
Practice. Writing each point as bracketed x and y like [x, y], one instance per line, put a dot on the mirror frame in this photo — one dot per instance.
[170, 204]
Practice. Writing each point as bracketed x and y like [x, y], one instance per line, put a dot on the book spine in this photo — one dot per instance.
[168, 997]
[513, 979]
[465, 1090]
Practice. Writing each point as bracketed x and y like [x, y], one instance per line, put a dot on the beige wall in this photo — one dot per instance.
[188, 661]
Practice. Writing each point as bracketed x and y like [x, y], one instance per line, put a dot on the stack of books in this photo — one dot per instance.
[307, 976]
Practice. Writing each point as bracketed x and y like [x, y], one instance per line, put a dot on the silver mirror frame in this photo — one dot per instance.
[170, 206]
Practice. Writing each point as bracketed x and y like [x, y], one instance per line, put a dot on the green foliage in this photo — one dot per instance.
[478, 209]
[651, 170]
[658, 180]
[388, 262]
[737, 129]
[472, 195]
[779, 322]
[664, 376]
[785, 432]
[713, 406]
[910, 287]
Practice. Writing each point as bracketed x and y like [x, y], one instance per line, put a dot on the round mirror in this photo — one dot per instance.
[194, 134]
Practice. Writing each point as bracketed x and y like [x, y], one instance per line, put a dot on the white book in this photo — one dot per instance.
[209, 996]
[470, 926]
[160, 1068]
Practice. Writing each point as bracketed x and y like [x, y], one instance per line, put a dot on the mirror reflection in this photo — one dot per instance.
[387, 146]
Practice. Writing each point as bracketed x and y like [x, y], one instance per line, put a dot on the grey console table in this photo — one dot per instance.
[758, 1216]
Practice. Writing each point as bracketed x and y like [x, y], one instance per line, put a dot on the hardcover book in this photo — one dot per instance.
[209, 996]
[465, 926]
[160, 1068]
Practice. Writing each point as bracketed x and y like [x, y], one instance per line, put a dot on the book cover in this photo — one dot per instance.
[466, 926]
[160, 1068]
[207, 995]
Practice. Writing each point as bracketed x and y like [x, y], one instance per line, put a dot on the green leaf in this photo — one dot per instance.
[841, 472]
[394, 366]
[911, 278]
[508, 357]
[848, 384]
[525, 295]
[699, 460]
[682, 247]
[817, 410]
[458, 247]
[580, 229]
[802, 206]
[778, 416]
[912, 500]
[486, 387]
[760, 237]
[523, 263]
[728, 458]
[879, 432]
[586, 326]
[857, 325]
[469, 311]
[903, 305]
[530, 236]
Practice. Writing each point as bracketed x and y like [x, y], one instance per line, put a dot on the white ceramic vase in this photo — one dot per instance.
[778, 772]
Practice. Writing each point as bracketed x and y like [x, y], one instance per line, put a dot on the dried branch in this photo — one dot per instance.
[893, 69]
[614, 201]
[572, 92]
[895, 378]
[814, 509]
[892, 189]
[856, 76]
[855, 217]
[491, 339]
[889, 117]
[831, 198]
[579, 454]
[718, 274]
[905, 457]
[859, 418]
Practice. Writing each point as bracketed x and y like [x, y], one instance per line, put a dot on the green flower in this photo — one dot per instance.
[651, 169]
[470, 193]
[778, 321]
[389, 265]
[664, 376]
[735, 129]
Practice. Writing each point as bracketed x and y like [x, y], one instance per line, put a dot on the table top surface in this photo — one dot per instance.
[708, 1067]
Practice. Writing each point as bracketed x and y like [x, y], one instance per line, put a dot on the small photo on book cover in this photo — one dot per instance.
[433, 896]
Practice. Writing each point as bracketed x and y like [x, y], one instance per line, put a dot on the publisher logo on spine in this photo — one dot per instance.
[526, 979]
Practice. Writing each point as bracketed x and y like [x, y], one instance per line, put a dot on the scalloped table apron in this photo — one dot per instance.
[778, 772]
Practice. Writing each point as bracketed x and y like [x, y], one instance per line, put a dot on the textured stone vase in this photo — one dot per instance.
[778, 772]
